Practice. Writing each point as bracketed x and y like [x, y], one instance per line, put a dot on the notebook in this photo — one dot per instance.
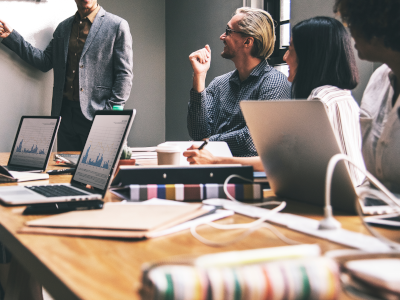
[33, 144]
[217, 148]
[295, 141]
[117, 221]
[95, 167]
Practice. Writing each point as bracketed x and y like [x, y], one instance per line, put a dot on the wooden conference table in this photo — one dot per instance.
[90, 268]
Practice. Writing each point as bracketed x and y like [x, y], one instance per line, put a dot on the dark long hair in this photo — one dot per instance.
[325, 56]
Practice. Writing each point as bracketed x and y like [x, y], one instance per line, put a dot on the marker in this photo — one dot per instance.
[203, 145]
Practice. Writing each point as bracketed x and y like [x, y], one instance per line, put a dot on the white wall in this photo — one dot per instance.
[146, 19]
[190, 24]
[27, 91]
[23, 89]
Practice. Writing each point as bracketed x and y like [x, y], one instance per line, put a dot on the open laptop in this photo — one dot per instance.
[33, 144]
[95, 167]
[295, 141]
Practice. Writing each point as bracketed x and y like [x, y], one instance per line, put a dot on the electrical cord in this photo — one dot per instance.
[389, 198]
[250, 227]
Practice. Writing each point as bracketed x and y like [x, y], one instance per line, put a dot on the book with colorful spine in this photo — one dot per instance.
[190, 192]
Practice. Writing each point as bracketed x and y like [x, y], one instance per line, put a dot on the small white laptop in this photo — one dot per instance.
[94, 170]
[33, 144]
[295, 141]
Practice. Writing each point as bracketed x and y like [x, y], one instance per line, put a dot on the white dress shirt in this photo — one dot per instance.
[381, 128]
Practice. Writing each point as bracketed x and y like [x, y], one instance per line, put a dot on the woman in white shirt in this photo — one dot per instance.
[321, 67]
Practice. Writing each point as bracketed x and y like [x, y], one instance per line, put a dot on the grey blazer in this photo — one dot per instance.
[105, 67]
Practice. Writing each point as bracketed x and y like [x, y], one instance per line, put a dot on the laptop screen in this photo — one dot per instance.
[101, 150]
[34, 141]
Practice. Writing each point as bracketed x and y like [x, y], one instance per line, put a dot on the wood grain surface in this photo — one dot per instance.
[90, 268]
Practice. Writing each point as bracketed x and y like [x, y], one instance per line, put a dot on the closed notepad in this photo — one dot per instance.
[122, 217]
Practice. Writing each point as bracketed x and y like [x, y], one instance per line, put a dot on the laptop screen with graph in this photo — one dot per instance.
[34, 142]
[102, 149]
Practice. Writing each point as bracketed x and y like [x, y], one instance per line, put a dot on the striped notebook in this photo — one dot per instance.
[187, 192]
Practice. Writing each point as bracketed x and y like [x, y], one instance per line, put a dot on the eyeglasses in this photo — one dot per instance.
[228, 31]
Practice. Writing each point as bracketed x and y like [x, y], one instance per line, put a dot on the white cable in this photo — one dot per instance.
[372, 231]
[250, 227]
[242, 236]
[390, 197]
[230, 197]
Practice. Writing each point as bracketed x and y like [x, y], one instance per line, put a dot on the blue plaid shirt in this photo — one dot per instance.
[215, 112]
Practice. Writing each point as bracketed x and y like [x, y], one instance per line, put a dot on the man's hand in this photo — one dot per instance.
[5, 30]
[199, 157]
[200, 60]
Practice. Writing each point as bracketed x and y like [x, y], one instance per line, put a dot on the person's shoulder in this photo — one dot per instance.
[66, 22]
[224, 77]
[273, 75]
[328, 93]
[63, 27]
[111, 17]
[376, 89]
[380, 73]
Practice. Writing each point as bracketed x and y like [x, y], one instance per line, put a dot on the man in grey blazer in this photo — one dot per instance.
[91, 54]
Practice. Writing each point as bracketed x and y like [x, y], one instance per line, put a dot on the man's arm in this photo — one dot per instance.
[201, 157]
[240, 142]
[200, 61]
[123, 65]
[42, 60]
[202, 111]
[5, 30]
[202, 107]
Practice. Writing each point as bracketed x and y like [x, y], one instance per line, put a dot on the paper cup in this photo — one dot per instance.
[168, 154]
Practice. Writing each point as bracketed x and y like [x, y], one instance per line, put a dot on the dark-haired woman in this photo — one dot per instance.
[375, 25]
[321, 67]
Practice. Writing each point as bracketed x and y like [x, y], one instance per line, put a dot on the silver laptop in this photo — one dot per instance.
[33, 144]
[295, 141]
[95, 167]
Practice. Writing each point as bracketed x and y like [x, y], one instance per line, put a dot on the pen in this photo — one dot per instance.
[63, 159]
[203, 145]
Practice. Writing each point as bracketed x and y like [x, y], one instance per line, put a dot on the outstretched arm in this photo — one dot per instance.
[43, 60]
[5, 29]
[200, 157]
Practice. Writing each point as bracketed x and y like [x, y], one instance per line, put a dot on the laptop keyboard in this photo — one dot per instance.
[19, 169]
[55, 190]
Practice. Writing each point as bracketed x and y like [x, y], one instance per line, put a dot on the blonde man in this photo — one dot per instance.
[214, 112]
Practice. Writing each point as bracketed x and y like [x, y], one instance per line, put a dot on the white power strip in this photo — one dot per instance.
[309, 226]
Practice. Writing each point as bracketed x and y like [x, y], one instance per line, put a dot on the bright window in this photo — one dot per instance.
[280, 12]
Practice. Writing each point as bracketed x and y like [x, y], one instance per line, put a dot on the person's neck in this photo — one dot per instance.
[245, 65]
[84, 13]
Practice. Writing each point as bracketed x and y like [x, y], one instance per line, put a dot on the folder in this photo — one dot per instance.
[116, 221]
[181, 174]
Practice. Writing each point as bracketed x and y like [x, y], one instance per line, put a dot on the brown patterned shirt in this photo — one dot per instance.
[79, 33]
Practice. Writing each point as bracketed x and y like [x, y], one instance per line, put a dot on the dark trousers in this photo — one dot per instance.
[74, 127]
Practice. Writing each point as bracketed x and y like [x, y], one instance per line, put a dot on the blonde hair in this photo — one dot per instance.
[258, 24]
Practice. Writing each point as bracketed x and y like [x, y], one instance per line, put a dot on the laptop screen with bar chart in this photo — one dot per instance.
[33, 142]
[95, 166]
[101, 150]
